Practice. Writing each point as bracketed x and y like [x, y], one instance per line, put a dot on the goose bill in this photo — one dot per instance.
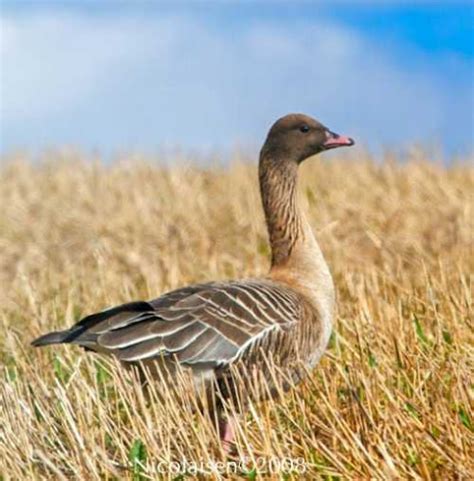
[335, 140]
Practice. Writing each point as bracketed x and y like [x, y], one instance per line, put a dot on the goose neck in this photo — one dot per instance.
[278, 188]
[297, 259]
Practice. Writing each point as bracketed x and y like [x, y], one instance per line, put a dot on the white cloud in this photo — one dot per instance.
[114, 81]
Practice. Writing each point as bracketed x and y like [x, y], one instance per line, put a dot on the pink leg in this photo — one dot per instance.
[226, 433]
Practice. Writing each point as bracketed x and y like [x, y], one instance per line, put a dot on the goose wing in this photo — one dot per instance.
[211, 324]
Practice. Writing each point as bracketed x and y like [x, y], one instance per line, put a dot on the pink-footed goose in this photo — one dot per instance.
[211, 327]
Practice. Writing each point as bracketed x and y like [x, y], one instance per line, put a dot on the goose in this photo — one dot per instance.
[209, 328]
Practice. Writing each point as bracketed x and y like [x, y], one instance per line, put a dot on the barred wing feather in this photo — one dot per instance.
[210, 324]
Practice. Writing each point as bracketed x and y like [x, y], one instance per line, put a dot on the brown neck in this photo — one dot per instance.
[278, 188]
[296, 257]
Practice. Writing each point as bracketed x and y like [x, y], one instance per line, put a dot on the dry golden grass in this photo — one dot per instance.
[392, 398]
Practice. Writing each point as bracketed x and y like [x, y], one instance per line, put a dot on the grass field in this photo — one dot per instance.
[391, 399]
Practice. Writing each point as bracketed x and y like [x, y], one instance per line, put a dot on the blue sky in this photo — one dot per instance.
[145, 76]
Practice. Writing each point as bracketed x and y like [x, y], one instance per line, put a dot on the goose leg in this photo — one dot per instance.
[226, 433]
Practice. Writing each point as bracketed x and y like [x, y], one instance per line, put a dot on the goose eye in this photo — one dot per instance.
[304, 129]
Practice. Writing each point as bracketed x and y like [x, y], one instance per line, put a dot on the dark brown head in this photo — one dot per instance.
[297, 137]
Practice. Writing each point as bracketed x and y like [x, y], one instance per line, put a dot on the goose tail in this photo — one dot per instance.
[56, 337]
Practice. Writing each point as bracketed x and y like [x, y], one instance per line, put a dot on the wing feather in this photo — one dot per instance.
[208, 324]
[195, 352]
[184, 337]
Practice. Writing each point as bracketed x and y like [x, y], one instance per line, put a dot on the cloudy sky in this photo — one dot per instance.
[147, 75]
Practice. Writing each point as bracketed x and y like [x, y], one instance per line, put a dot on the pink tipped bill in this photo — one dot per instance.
[334, 140]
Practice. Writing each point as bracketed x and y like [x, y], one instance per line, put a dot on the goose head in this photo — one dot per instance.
[295, 137]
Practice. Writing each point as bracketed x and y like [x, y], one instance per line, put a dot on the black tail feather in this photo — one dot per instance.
[57, 337]
[71, 335]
